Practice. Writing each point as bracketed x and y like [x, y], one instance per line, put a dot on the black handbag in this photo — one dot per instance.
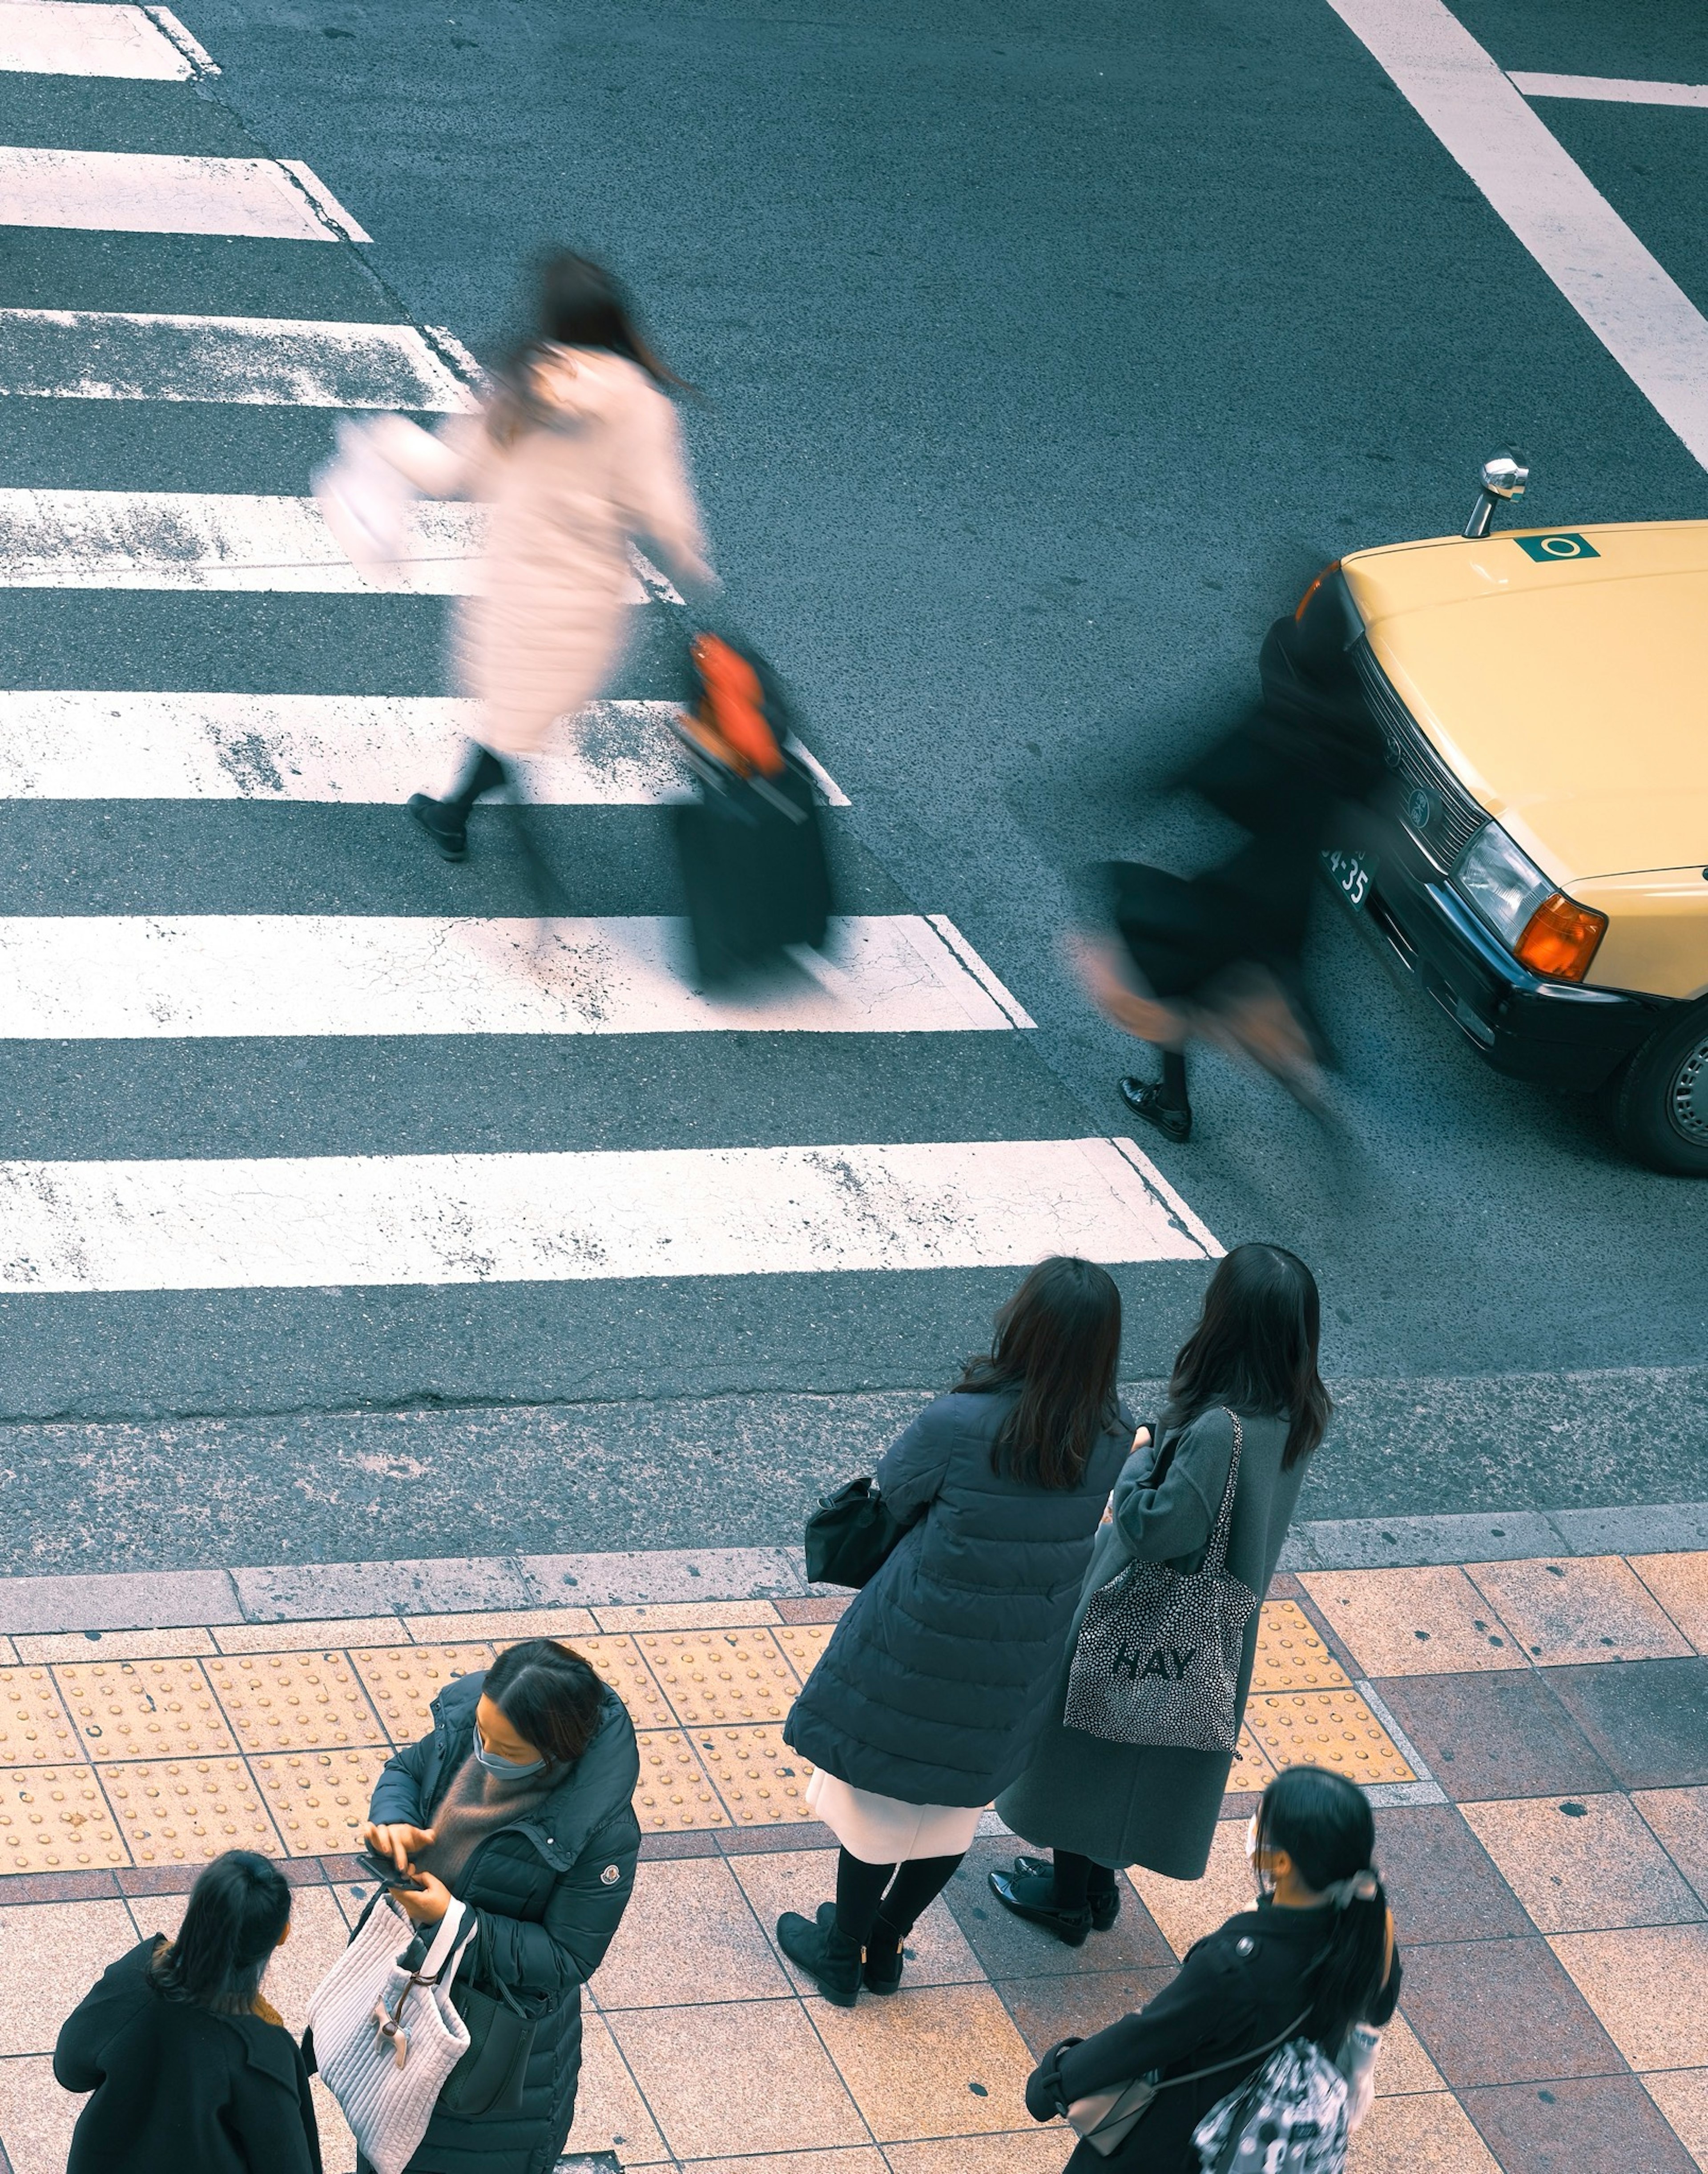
[490, 2076]
[850, 1536]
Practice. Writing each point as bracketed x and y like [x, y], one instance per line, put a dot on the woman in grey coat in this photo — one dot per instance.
[938, 1677]
[1099, 1804]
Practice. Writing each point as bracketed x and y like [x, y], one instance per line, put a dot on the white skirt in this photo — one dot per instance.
[883, 1830]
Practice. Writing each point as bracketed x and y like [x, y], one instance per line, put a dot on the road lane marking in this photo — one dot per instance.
[126, 976]
[152, 192]
[105, 354]
[295, 1222]
[83, 37]
[1610, 89]
[1641, 315]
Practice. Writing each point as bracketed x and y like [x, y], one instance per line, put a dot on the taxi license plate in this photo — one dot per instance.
[1352, 874]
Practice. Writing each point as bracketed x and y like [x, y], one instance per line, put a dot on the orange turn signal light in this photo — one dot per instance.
[1560, 937]
[1304, 602]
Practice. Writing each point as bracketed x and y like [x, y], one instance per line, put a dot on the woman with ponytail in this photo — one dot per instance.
[191, 2071]
[1316, 1958]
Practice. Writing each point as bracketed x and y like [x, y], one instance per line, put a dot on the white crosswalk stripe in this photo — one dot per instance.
[103, 355]
[158, 192]
[83, 37]
[126, 976]
[290, 1223]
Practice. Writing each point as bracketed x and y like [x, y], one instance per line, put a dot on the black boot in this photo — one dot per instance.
[446, 821]
[1104, 1904]
[1032, 1895]
[884, 1956]
[824, 1953]
[1144, 1097]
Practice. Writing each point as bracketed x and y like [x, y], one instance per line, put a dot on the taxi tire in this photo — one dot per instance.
[1640, 1096]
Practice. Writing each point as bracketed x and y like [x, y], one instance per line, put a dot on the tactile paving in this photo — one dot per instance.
[156, 1709]
[1252, 1771]
[674, 1792]
[318, 1799]
[1291, 1656]
[1327, 1729]
[617, 1660]
[54, 1819]
[402, 1681]
[760, 1779]
[804, 1643]
[721, 1675]
[185, 1811]
[294, 1701]
[34, 1726]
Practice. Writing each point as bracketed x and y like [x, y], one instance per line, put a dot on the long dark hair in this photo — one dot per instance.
[1057, 1341]
[549, 1694]
[1255, 1347]
[1323, 1822]
[577, 303]
[237, 1913]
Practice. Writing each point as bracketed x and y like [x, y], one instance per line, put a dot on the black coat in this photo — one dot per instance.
[178, 2090]
[1234, 1993]
[549, 1891]
[940, 1674]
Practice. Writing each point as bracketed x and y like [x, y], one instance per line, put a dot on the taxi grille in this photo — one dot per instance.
[1436, 810]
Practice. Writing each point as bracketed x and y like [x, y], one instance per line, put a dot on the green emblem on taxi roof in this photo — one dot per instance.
[1564, 545]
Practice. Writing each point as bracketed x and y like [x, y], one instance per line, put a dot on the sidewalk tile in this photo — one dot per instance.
[936, 1952]
[340, 1633]
[36, 2118]
[675, 1791]
[1333, 1729]
[1439, 1878]
[684, 1614]
[110, 1645]
[1038, 2148]
[402, 1681]
[1588, 1608]
[1647, 1987]
[1184, 1910]
[1428, 2133]
[1008, 1946]
[337, 2146]
[54, 1819]
[1048, 2009]
[1503, 2012]
[504, 1626]
[1682, 2096]
[1648, 1719]
[1403, 2066]
[188, 1811]
[1679, 1819]
[1504, 1734]
[318, 1799]
[67, 1945]
[944, 2060]
[851, 2159]
[1411, 1622]
[144, 1710]
[1680, 1584]
[35, 1727]
[610, 2113]
[826, 1607]
[762, 1782]
[1548, 2128]
[687, 1935]
[1583, 1863]
[746, 2077]
[308, 1701]
[1291, 1656]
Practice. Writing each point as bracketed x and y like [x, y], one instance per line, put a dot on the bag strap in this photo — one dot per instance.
[1234, 2060]
[1217, 1552]
[451, 1935]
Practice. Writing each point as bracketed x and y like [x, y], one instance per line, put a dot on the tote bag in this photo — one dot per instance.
[387, 2037]
[850, 1536]
[1157, 1661]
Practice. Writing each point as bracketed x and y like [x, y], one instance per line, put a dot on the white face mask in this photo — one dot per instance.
[1252, 1841]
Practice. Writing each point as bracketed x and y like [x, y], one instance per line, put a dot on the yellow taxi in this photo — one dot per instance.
[1538, 858]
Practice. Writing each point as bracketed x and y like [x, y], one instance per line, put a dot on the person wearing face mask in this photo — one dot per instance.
[1314, 1959]
[518, 1803]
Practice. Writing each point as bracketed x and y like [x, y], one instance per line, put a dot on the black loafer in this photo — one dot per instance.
[1105, 1907]
[1028, 1894]
[441, 825]
[1144, 1097]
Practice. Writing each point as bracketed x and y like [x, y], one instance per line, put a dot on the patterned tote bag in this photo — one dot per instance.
[1157, 1661]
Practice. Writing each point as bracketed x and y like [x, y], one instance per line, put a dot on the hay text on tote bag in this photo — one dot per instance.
[385, 2038]
[1157, 1661]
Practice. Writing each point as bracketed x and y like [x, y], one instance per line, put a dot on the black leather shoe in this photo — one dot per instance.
[825, 1954]
[1105, 1907]
[443, 825]
[1028, 1894]
[1144, 1097]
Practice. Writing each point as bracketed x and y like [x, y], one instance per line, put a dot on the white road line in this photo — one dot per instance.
[101, 354]
[1639, 314]
[151, 192]
[1016, 1013]
[69, 744]
[1610, 89]
[89, 977]
[83, 37]
[292, 1223]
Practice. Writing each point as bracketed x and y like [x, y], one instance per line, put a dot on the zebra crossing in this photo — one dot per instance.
[865, 1141]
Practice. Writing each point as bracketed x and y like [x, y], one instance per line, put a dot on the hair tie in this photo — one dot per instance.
[1361, 1887]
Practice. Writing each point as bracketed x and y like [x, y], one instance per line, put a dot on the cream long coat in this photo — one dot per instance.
[550, 617]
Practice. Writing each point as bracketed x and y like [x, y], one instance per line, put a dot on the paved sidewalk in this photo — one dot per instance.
[1534, 1732]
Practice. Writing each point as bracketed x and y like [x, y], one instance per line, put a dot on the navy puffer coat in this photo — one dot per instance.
[940, 1674]
[549, 1892]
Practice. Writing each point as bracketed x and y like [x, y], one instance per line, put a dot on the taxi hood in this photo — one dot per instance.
[1564, 684]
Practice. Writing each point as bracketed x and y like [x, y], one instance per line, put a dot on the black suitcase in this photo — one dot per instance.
[752, 855]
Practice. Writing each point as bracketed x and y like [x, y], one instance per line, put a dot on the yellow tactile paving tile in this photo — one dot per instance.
[619, 1661]
[803, 1644]
[295, 1701]
[1334, 1729]
[184, 1811]
[1291, 1655]
[675, 1792]
[402, 1681]
[1253, 1770]
[761, 1781]
[318, 1799]
[54, 1819]
[720, 1676]
[34, 1726]
[157, 1709]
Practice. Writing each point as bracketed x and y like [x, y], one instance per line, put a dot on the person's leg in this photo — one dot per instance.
[446, 821]
[830, 1949]
[1163, 1102]
[859, 1894]
[1071, 1880]
[917, 1885]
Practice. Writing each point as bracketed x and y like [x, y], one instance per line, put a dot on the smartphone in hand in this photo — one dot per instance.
[383, 1869]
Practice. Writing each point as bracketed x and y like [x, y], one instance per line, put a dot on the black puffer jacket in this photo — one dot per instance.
[549, 1892]
[940, 1674]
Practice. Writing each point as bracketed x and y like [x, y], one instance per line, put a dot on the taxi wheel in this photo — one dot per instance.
[1660, 1101]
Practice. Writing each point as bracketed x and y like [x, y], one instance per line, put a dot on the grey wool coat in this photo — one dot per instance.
[941, 1673]
[1150, 1804]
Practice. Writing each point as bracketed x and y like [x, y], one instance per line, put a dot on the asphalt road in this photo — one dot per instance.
[1041, 362]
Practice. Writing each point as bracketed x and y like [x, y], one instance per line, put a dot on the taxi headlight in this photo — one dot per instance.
[1503, 882]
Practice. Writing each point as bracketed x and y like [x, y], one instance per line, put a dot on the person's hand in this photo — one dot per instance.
[1141, 1440]
[424, 1905]
[396, 1840]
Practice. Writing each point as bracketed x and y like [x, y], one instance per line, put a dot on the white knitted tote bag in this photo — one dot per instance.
[385, 2037]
